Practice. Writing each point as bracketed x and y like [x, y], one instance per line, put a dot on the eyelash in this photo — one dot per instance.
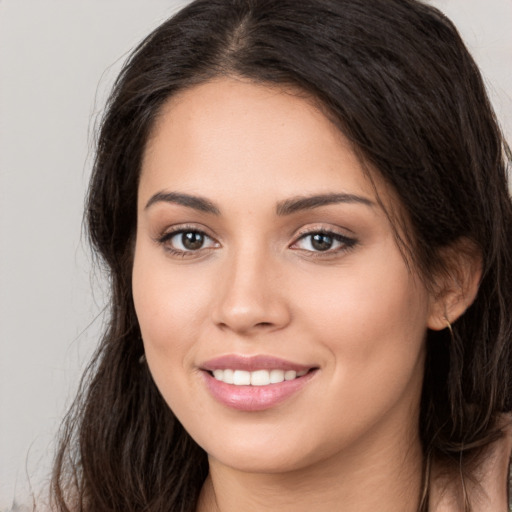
[346, 243]
[166, 238]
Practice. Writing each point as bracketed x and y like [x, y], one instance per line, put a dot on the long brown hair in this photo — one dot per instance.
[397, 79]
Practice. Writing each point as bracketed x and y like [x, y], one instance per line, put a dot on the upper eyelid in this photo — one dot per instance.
[311, 230]
[175, 229]
[336, 236]
[171, 234]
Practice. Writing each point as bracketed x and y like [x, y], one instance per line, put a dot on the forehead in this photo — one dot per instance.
[231, 135]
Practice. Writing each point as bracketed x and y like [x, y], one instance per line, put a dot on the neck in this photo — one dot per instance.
[373, 477]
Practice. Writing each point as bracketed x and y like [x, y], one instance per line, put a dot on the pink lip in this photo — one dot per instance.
[252, 363]
[254, 398]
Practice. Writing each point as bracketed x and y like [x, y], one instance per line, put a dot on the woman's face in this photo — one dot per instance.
[262, 254]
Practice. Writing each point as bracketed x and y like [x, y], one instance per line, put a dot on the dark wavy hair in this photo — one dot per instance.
[396, 78]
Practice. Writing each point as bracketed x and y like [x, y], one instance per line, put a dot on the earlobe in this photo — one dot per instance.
[456, 285]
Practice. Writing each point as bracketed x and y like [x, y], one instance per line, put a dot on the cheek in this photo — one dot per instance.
[372, 324]
[168, 303]
[372, 320]
[377, 299]
[170, 306]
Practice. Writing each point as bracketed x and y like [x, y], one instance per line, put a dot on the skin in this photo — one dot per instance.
[488, 490]
[258, 286]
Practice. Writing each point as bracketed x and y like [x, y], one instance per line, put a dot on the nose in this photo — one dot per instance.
[251, 298]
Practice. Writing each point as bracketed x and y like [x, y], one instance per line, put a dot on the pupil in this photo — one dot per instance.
[192, 240]
[321, 242]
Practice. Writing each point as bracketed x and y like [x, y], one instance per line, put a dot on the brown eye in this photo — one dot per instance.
[321, 242]
[192, 240]
[187, 241]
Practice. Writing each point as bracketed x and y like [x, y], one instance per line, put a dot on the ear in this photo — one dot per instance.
[456, 284]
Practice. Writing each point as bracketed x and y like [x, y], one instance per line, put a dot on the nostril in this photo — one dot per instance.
[263, 324]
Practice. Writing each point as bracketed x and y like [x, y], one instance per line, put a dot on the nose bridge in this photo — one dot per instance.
[250, 298]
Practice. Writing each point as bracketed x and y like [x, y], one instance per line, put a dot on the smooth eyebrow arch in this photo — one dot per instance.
[296, 204]
[196, 202]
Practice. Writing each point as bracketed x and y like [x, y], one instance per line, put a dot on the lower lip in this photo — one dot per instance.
[255, 398]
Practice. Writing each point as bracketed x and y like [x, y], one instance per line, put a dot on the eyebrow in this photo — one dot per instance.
[283, 208]
[296, 204]
[195, 202]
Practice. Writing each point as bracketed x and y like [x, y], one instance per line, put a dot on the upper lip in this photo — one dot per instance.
[252, 363]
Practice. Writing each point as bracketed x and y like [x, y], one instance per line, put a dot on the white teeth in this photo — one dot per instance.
[260, 378]
[228, 376]
[218, 374]
[290, 375]
[276, 376]
[256, 378]
[241, 378]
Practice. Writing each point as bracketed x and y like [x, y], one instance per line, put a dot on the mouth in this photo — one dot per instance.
[258, 377]
[255, 383]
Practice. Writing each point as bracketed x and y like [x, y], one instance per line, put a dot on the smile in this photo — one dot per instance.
[254, 383]
[256, 378]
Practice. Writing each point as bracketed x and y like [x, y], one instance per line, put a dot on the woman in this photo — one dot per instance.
[304, 211]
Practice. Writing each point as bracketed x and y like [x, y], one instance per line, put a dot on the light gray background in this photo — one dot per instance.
[57, 62]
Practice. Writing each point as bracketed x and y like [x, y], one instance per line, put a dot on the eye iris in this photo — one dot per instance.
[321, 242]
[192, 240]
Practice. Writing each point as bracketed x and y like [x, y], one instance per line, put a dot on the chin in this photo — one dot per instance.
[258, 460]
